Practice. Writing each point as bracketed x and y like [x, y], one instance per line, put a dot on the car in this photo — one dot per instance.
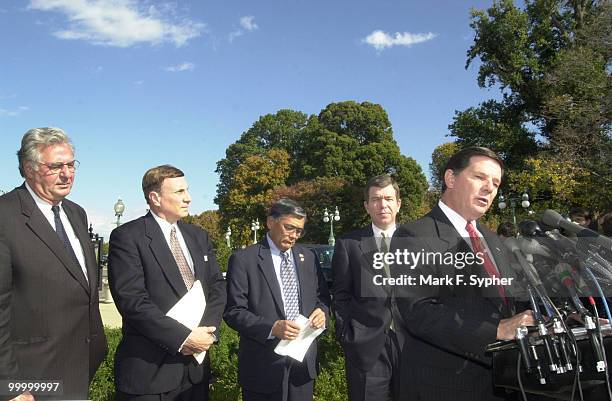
[324, 254]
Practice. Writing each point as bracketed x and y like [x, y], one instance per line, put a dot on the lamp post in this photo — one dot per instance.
[228, 237]
[119, 209]
[254, 228]
[330, 218]
[514, 200]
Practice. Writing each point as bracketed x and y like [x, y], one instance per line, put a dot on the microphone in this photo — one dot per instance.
[554, 219]
[533, 247]
[530, 272]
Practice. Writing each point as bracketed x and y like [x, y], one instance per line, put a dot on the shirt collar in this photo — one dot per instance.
[274, 249]
[456, 219]
[378, 231]
[163, 224]
[40, 202]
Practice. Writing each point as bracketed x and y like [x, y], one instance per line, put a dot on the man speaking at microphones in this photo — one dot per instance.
[453, 315]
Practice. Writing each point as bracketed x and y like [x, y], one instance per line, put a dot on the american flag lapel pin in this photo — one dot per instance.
[301, 257]
[205, 258]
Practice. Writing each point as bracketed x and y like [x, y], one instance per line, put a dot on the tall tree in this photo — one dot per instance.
[550, 61]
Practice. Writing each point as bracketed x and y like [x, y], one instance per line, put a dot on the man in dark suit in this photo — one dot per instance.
[153, 262]
[269, 284]
[451, 323]
[50, 325]
[364, 311]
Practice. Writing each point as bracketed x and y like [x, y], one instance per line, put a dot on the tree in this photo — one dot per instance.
[439, 158]
[209, 220]
[551, 62]
[347, 141]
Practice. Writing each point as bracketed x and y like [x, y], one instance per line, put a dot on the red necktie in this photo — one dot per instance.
[479, 246]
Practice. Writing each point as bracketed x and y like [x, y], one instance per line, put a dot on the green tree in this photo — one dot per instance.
[347, 141]
[550, 61]
[439, 158]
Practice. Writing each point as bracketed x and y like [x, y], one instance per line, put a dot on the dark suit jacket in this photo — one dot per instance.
[362, 309]
[50, 325]
[145, 283]
[254, 303]
[443, 358]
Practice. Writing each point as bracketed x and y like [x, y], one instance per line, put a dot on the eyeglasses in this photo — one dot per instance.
[289, 229]
[56, 168]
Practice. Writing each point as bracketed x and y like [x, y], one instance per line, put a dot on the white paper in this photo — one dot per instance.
[189, 311]
[297, 348]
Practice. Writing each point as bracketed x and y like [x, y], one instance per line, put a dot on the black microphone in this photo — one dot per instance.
[554, 219]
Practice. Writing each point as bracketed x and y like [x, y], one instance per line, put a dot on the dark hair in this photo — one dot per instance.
[460, 160]
[380, 181]
[506, 229]
[580, 212]
[154, 177]
[286, 206]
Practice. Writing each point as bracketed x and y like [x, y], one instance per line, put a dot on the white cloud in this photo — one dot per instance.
[119, 23]
[381, 40]
[248, 23]
[14, 112]
[140, 82]
[186, 66]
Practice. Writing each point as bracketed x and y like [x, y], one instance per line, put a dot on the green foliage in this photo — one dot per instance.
[439, 158]
[329, 386]
[224, 365]
[102, 387]
[331, 381]
[551, 62]
[348, 141]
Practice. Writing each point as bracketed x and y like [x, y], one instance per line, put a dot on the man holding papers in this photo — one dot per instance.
[270, 285]
[153, 262]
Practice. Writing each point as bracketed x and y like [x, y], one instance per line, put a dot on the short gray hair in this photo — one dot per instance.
[284, 207]
[35, 140]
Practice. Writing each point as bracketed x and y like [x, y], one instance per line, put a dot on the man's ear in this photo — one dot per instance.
[449, 178]
[269, 222]
[28, 170]
[154, 198]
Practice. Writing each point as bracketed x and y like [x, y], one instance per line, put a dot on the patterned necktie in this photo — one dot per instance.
[180, 259]
[290, 287]
[61, 233]
[479, 246]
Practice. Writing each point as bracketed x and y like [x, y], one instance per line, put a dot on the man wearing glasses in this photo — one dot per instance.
[50, 325]
[269, 285]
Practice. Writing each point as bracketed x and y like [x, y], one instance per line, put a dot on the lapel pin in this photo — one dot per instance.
[301, 257]
[205, 258]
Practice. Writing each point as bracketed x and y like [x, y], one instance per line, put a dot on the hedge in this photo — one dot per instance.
[329, 386]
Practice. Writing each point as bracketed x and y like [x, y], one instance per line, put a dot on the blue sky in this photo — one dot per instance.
[141, 83]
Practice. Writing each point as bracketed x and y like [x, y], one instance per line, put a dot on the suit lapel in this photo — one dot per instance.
[266, 266]
[196, 253]
[303, 275]
[37, 222]
[368, 247]
[161, 251]
[455, 242]
[80, 231]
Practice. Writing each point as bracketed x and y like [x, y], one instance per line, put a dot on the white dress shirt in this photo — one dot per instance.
[45, 208]
[166, 229]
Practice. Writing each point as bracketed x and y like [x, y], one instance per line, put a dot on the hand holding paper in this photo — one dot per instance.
[297, 348]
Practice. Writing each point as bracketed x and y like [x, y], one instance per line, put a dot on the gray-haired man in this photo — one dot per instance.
[50, 325]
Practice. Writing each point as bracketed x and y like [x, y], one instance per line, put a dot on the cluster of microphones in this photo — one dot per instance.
[565, 266]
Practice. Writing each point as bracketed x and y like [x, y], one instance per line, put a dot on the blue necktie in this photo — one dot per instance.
[290, 287]
[61, 233]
